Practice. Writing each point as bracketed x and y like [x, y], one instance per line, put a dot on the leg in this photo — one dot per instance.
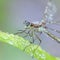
[24, 33]
[32, 36]
[38, 38]
[20, 31]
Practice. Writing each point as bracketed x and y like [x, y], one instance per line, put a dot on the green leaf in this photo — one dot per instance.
[26, 46]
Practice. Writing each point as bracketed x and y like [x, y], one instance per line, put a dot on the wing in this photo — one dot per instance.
[49, 12]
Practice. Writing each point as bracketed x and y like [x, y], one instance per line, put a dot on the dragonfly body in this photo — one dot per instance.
[35, 25]
[32, 28]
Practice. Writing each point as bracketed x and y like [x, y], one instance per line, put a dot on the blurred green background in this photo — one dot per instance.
[11, 20]
[8, 52]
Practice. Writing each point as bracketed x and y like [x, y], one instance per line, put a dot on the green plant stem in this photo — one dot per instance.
[24, 45]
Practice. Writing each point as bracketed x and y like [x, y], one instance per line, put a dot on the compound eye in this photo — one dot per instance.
[27, 23]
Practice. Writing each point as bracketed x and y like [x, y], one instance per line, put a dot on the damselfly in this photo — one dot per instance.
[32, 28]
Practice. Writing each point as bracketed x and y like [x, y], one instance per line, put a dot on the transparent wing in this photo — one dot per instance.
[48, 16]
[49, 12]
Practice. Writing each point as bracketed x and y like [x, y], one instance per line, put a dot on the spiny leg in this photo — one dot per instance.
[32, 36]
[27, 33]
[52, 36]
[20, 31]
[38, 38]
[30, 42]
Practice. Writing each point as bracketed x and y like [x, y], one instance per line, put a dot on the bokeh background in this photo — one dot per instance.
[12, 15]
